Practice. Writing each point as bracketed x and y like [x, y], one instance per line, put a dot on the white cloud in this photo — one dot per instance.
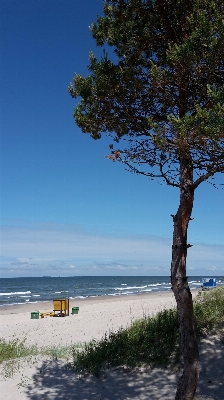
[115, 266]
[212, 268]
[64, 249]
[38, 242]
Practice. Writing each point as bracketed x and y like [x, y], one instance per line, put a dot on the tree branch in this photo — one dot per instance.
[207, 176]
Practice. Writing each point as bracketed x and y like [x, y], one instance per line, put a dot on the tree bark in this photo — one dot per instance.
[187, 384]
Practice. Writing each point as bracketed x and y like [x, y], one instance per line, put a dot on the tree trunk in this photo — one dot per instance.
[187, 384]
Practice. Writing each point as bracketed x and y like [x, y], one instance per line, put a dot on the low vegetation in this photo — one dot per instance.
[209, 312]
[151, 340]
[15, 349]
[15, 354]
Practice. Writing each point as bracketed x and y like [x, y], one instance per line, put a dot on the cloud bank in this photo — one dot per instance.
[67, 250]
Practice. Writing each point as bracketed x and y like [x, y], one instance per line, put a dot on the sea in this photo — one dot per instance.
[46, 288]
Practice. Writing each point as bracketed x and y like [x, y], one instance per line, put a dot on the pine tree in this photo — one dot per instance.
[160, 97]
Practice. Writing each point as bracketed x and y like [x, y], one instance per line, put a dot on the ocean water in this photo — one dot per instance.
[33, 290]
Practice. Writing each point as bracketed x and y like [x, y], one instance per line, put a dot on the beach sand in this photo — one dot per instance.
[44, 378]
[97, 315]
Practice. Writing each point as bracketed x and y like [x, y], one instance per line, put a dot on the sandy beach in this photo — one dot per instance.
[45, 378]
[97, 315]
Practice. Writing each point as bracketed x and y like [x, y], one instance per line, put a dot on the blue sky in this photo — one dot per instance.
[65, 208]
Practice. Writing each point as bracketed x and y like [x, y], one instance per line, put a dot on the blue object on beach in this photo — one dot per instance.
[208, 283]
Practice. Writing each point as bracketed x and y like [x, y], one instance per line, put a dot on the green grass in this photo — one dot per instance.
[15, 349]
[15, 353]
[151, 340]
[209, 311]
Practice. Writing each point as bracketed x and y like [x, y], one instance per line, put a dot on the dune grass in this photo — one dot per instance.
[151, 340]
[15, 354]
[209, 311]
[15, 349]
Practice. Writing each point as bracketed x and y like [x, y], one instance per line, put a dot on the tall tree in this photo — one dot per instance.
[160, 97]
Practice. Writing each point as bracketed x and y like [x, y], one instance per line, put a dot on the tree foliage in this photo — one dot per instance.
[160, 95]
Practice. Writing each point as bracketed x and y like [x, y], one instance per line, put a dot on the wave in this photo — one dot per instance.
[119, 294]
[131, 287]
[14, 293]
[62, 291]
[159, 284]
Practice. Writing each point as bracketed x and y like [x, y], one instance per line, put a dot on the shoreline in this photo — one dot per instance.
[77, 302]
